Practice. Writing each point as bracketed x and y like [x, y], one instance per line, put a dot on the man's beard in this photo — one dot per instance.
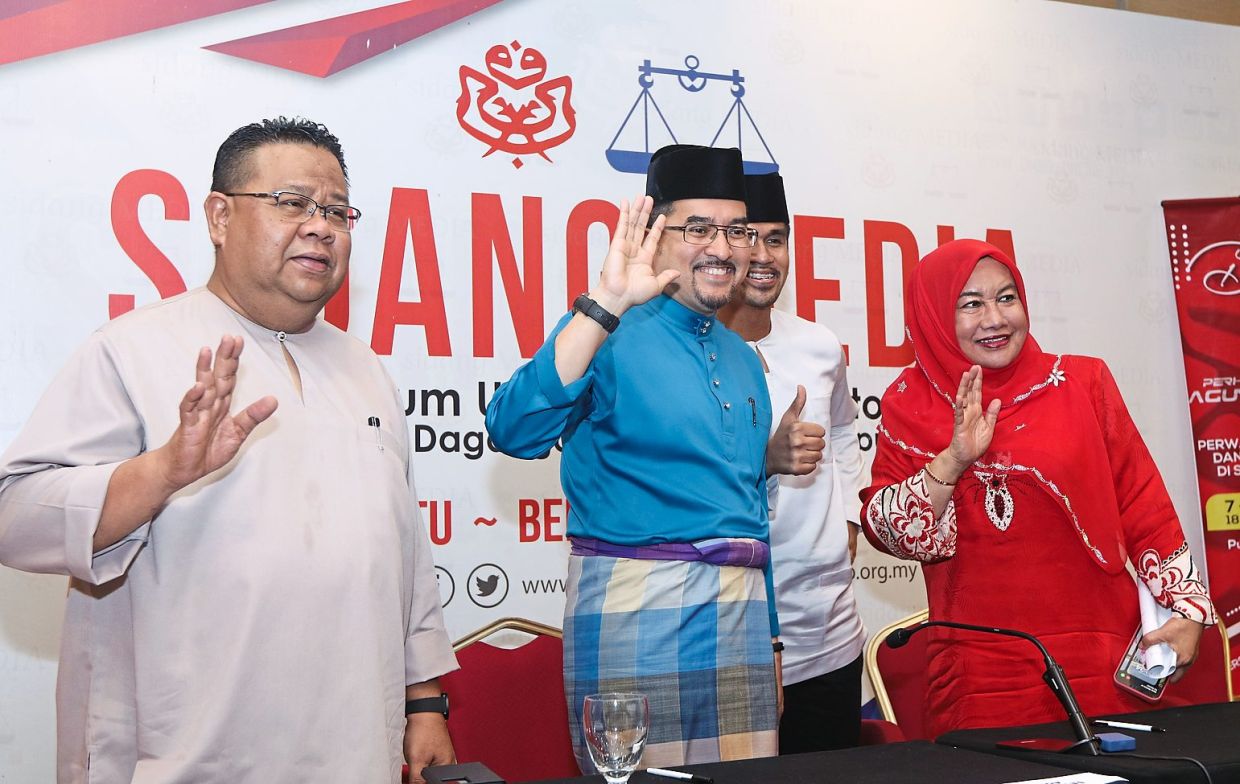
[712, 301]
[704, 298]
[761, 296]
[759, 299]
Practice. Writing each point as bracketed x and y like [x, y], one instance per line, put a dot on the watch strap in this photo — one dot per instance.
[595, 311]
[428, 705]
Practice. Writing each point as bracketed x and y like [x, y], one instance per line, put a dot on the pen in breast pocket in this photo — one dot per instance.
[374, 422]
[753, 407]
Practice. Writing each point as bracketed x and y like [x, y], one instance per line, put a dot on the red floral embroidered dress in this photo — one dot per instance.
[1038, 530]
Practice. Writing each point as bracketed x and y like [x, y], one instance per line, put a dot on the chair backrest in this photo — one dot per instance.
[875, 732]
[507, 704]
[898, 676]
[1209, 679]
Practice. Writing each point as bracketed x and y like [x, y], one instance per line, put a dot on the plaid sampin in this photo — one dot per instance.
[695, 638]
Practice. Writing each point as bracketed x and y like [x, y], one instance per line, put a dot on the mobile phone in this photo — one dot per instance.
[465, 773]
[1131, 675]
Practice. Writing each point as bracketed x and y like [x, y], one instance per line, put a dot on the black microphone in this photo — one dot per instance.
[1053, 676]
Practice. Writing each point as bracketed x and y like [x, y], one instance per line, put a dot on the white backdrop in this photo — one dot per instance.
[1065, 126]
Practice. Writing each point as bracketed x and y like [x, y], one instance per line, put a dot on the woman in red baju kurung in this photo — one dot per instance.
[1019, 480]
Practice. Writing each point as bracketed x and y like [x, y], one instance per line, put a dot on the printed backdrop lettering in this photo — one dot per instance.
[488, 143]
[1203, 236]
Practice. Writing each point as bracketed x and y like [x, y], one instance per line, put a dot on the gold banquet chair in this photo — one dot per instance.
[898, 676]
[508, 709]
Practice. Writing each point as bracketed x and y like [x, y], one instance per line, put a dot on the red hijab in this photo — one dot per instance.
[1039, 429]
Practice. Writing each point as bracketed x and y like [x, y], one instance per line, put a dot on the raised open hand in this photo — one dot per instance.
[209, 435]
[628, 276]
[796, 447]
[974, 427]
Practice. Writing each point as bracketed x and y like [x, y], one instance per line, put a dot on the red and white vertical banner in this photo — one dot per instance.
[1203, 236]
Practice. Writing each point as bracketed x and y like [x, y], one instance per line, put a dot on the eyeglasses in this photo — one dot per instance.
[705, 233]
[294, 207]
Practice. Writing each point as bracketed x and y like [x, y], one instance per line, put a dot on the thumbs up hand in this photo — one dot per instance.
[796, 447]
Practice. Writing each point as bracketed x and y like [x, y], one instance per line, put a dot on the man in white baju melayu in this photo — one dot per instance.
[252, 597]
[812, 540]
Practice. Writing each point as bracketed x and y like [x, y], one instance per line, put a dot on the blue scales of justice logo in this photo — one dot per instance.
[693, 81]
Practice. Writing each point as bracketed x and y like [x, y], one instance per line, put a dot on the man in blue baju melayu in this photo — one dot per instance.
[663, 415]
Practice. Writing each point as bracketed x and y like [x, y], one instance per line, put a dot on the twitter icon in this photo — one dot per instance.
[488, 585]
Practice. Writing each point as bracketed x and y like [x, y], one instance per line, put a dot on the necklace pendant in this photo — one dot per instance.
[998, 505]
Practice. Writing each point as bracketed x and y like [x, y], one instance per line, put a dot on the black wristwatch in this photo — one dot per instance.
[593, 310]
[428, 705]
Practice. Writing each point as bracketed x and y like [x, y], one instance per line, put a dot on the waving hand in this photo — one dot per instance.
[207, 437]
[628, 270]
[628, 279]
[974, 427]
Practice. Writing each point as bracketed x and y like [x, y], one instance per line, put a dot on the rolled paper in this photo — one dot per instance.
[1158, 660]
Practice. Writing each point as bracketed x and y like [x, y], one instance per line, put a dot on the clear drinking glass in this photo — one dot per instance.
[615, 728]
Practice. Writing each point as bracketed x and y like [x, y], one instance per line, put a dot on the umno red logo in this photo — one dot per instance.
[511, 107]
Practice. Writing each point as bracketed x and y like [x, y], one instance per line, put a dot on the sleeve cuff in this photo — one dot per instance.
[428, 654]
[901, 519]
[557, 394]
[83, 506]
[1200, 610]
[1176, 584]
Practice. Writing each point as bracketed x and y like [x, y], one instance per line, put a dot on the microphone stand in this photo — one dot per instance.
[1086, 742]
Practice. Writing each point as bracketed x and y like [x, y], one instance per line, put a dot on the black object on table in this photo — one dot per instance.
[464, 773]
[1209, 733]
[891, 763]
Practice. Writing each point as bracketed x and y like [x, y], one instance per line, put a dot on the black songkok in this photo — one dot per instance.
[764, 198]
[689, 171]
